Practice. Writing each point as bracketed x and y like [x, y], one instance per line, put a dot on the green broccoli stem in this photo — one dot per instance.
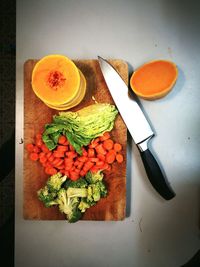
[77, 192]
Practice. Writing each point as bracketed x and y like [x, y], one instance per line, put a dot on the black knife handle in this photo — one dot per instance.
[155, 175]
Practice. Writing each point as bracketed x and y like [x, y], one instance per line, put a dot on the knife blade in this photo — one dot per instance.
[137, 125]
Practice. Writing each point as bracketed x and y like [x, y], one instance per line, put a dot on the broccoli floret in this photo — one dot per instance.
[48, 198]
[77, 192]
[68, 206]
[75, 213]
[89, 199]
[51, 203]
[74, 216]
[55, 182]
[80, 183]
[94, 177]
[103, 190]
[63, 201]
[89, 196]
[83, 206]
[96, 191]
[73, 197]
[96, 194]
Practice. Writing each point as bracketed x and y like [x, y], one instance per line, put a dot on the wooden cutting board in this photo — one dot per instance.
[37, 114]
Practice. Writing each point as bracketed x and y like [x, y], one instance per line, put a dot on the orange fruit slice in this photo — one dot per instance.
[58, 82]
[154, 79]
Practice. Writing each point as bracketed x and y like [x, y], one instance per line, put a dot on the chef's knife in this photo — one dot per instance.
[137, 125]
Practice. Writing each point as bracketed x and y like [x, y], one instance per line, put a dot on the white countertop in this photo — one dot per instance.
[156, 232]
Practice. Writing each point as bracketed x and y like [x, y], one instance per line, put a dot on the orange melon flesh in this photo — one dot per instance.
[154, 79]
[55, 80]
[77, 99]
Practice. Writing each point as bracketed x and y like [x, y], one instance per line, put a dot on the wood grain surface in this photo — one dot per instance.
[37, 114]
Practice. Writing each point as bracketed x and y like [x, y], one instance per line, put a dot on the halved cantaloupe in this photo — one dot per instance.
[58, 82]
[154, 79]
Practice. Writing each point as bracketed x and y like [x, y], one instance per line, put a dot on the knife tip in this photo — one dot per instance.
[100, 58]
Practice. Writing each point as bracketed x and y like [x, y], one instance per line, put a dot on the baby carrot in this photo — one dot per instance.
[91, 153]
[43, 159]
[34, 156]
[50, 171]
[62, 139]
[62, 148]
[110, 157]
[48, 155]
[61, 167]
[108, 144]
[36, 149]
[38, 136]
[94, 143]
[87, 166]
[100, 163]
[45, 148]
[39, 142]
[105, 136]
[83, 159]
[100, 149]
[101, 157]
[58, 154]
[51, 158]
[74, 176]
[119, 158]
[117, 147]
[29, 147]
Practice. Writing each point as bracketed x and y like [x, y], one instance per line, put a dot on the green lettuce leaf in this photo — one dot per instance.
[82, 126]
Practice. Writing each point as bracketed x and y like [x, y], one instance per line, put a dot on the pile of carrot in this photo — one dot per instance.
[100, 154]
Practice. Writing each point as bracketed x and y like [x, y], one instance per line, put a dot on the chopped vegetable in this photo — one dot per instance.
[62, 139]
[75, 150]
[108, 144]
[29, 147]
[73, 198]
[34, 156]
[83, 205]
[77, 192]
[117, 147]
[80, 183]
[110, 156]
[100, 154]
[119, 158]
[80, 127]
[55, 182]
[46, 196]
[105, 136]
[68, 206]
[92, 178]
